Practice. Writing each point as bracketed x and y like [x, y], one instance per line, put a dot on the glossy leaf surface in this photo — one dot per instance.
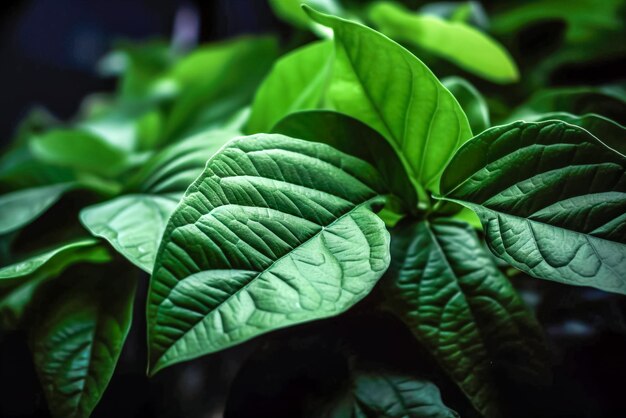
[258, 243]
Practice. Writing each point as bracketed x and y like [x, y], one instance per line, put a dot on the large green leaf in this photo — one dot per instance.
[76, 335]
[383, 85]
[174, 168]
[450, 293]
[471, 101]
[458, 42]
[275, 232]
[296, 82]
[551, 198]
[291, 11]
[24, 206]
[355, 138]
[133, 224]
[80, 150]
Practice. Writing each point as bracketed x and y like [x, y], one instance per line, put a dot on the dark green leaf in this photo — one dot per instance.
[297, 82]
[76, 336]
[275, 232]
[458, 42]
[383, 85]
[447, 289]
[551, 198]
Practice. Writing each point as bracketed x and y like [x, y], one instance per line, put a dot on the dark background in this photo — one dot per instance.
[48, 54]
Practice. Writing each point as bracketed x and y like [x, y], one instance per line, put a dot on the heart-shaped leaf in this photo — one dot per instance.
[276, 231]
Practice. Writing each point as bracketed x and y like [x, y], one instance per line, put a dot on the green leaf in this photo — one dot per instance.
[76, 336]
[133, 225]
[276, 231]
[551, 198]
[383, 85]
[18, 281]
[609, 132]
[457, 42]
[450, 293]
[58, 257]
[391, 395]
[576, 101]
[352, 137]
[471, 101]
[24, 206]
[216, 81]
[79, 150]
[296, 82]
[174, 168]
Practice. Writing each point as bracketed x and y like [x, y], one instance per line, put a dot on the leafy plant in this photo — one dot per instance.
[263, 193]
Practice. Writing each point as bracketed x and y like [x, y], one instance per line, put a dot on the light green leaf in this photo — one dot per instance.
[352, 137]
[18, 209]
[551, 198]
[457, 42]
[297, 82]
[76, 336]
[447, 289]
[80, 150]
[390, 395]
[216, 81]
[174, 168]
[276, 231]
[471, 101]
[383, 85]
[133, 225]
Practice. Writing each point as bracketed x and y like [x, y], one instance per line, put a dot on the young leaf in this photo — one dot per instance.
[383, 85]
[551, 198]
[355, 138]
[76, 336]
[133, 225]
[291, 11]
[80, 150]
[24, 206]
[447, 289]
[276, 231]
[296, 82]
[458, 42]
[471, 101]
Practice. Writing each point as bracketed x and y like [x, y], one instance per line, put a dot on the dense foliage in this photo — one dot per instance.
[263, 186]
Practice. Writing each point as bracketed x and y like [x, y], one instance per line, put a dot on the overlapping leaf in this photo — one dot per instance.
[551, 198]
[275, 232]
[446, 288]
[383, 85]
[471, 101]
